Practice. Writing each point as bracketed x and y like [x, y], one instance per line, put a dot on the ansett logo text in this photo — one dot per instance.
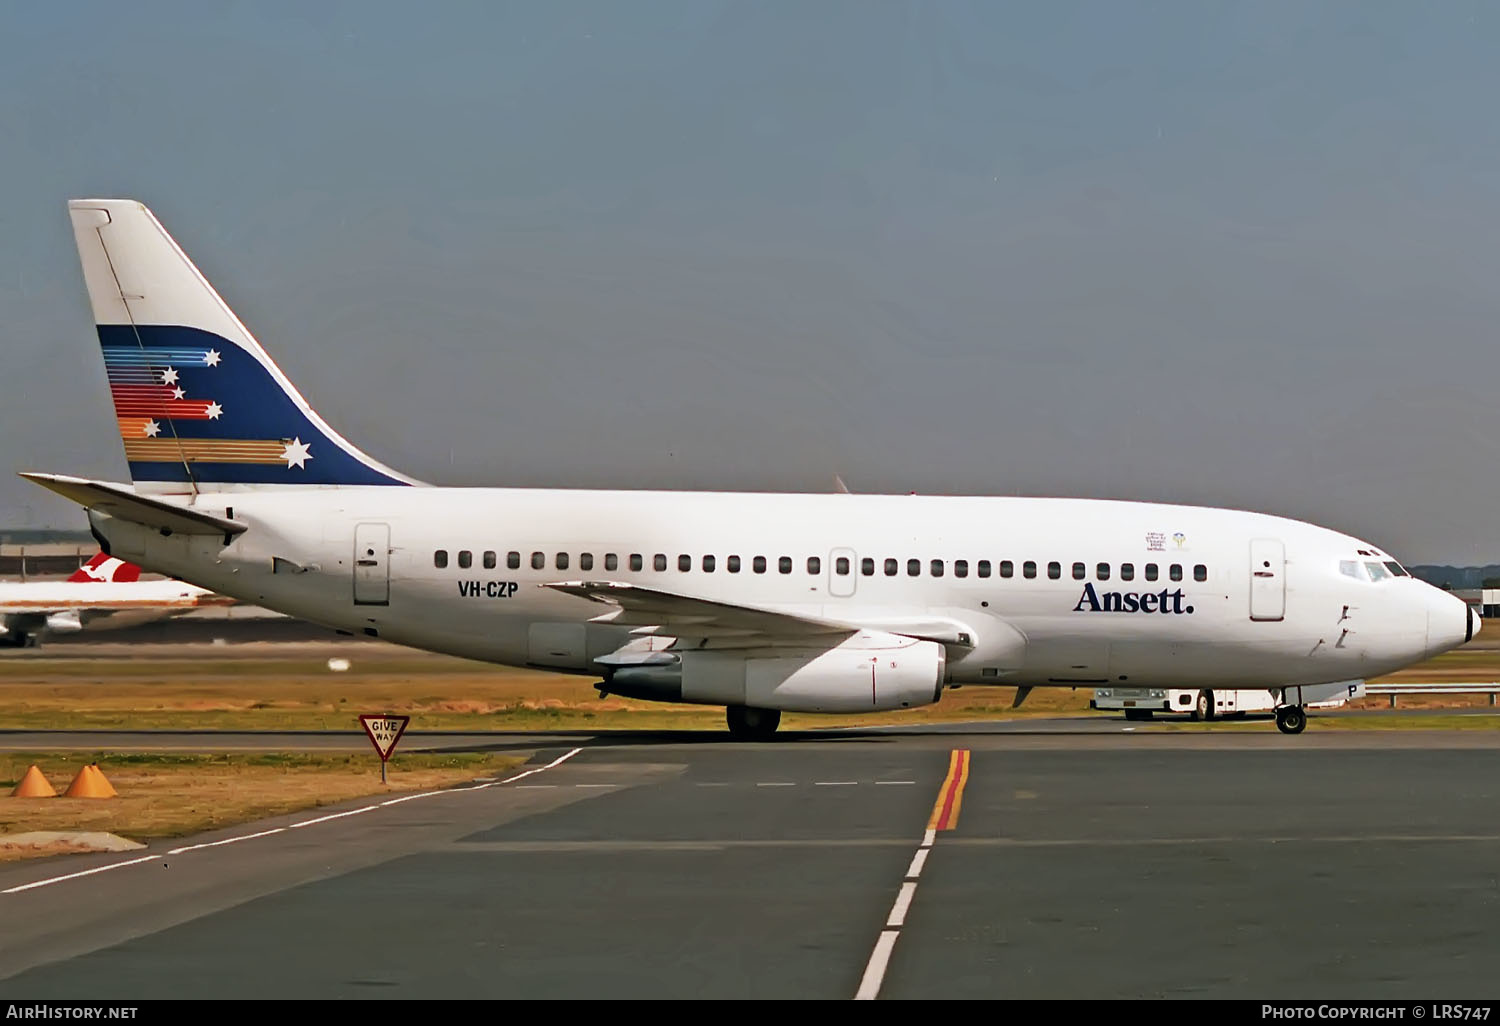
[1131, 601]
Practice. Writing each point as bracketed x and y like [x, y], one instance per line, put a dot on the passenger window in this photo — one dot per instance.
[513, 560]
[489, 559]
[611, 561]
[891, 566]
[1200, 572]
[1127, 571]
[841, 566]
[585, 561]
[1007, 568]
[814, 565]
[538, 561]
[983, 567]
[708, 564]
[465, 559]
[759, 564]
[684, 563]
[867, 567]
[659, 562]
[1176, 572]
[1054, 571]
[733, 564]
[913, 568]
[960, 568]
[784, 564]
[1028, 570]
[1102, 571]
[562, 560]
[1079, 571]
[440, 558]
[636, 561]
[937, 568]
[1150, 571]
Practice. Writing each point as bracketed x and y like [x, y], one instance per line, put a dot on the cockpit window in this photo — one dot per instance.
[1378, 572]
[1397, 569]
[1351, 568]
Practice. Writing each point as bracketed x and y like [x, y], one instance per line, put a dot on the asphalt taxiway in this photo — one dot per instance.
[1074, 862]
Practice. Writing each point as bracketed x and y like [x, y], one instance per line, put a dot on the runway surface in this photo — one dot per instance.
[1082, 861]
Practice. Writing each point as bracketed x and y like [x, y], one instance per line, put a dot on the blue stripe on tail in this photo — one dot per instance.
[184, 393]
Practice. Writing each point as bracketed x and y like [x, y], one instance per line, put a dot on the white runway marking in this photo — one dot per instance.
[75, 876]
[891, 783]
[836, 783]
[777, 783]
[304, 823]
[869, 987]
[227, 840]
[903, 902]
[917, 862]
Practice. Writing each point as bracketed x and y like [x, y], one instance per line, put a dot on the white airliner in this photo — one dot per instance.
[104, 593]
[760, 603]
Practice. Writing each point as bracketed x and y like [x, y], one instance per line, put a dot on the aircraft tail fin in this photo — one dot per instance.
[104, 568]
[200, 404]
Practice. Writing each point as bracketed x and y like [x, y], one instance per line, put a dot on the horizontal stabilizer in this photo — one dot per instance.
[120, 501]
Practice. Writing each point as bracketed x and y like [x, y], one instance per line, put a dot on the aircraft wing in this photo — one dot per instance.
[684, 617]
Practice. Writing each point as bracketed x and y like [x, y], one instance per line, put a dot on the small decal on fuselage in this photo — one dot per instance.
[487, 589]
[1164, 601]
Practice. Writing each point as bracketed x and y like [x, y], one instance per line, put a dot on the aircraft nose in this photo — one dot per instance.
[1450, 622]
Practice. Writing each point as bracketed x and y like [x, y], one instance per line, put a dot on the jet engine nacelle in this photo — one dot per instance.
[67, 622]
[869, 672]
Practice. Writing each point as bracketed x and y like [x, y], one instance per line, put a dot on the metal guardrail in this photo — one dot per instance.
[1393, 690]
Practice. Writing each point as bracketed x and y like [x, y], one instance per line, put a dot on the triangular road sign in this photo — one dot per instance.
[384, 731]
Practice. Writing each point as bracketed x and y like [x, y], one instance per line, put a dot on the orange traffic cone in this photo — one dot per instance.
[33, 785]
[90, 783]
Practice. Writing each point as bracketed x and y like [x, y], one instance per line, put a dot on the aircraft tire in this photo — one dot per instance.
[1291, 719]
[751, 724]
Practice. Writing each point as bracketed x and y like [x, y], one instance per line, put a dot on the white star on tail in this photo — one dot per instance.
[296, 454]
[169, 376]
[214, 411]
[211, 358]
[178, 393]
[152, 429]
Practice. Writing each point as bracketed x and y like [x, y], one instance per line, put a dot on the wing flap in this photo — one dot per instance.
[683, 616]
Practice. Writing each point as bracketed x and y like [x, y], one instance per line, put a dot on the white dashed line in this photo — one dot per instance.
[590, 785]
[777, 783]
[869, 987]
[917, 862]
[903, 902]
[227, 840]
[75, 876]
[534, 787]
[304, 823]
[892, 783]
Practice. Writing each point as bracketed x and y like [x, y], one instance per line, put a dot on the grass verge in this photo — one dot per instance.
[169, 795]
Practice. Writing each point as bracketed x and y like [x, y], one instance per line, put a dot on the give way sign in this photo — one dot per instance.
[384, 731]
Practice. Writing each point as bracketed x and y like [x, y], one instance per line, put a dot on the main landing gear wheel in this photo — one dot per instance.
[1291, 719]
[1204, 708]
[748, 724]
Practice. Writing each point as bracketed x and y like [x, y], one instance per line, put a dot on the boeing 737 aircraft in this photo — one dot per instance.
[760, 603]
[104, 593]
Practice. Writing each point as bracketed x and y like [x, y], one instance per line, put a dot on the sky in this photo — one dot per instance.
[1231, 254]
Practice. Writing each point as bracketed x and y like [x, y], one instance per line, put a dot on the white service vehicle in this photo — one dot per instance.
[1209, 703]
